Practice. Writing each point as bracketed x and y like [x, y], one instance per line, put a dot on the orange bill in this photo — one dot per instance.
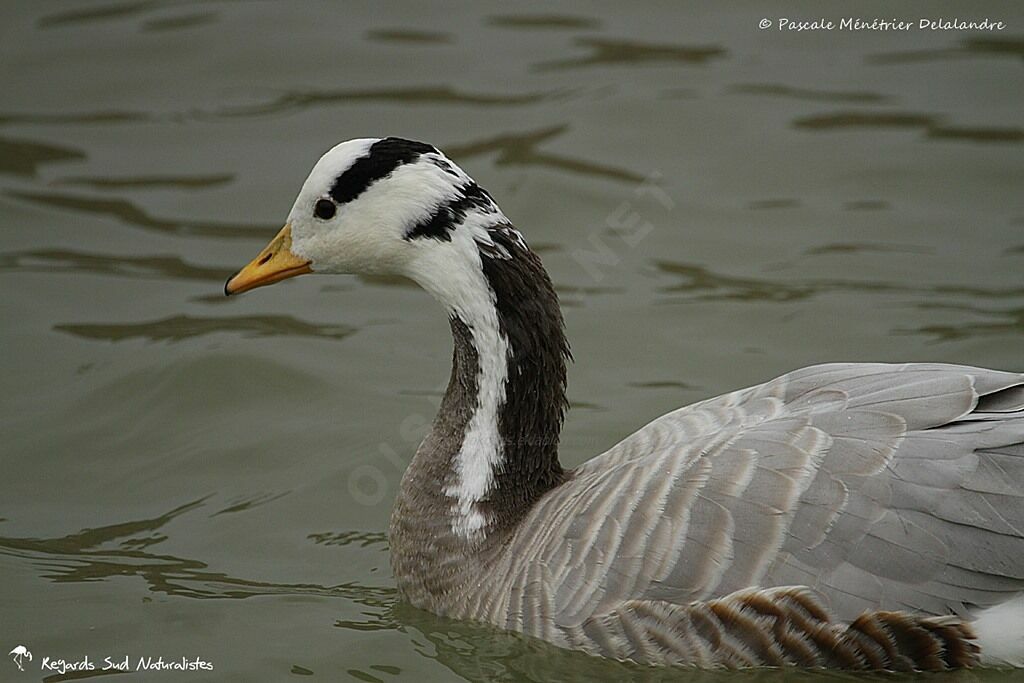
[275, 263]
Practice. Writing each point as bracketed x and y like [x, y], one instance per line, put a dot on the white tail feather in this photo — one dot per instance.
[1000, 633]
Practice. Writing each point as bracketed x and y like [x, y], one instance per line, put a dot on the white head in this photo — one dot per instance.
[385, 206]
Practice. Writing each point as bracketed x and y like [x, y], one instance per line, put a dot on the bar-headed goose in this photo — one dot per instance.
[843, 515]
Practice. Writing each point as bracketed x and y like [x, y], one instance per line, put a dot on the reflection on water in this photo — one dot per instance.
[862, 248]
[665, 385]
[291, 101]
[126, 212]
[932, 125]
[364, 539]
[249, 502]
[707, 285]
[302, 100]
[183, 21]
[65, 261]
[542, 21]
[396, 35]
[98, 13]
[607, 52]
[91, 117]
[521, 149]
[23, 157]
[1009, 322]
[866, 119]
[701, 284]
[194, 182]
[380, 620]
[976, 134]
[792, 203]
[780, 90]
[1010, 46]
[574, 296]
[117, 550]
[180, 327]
[477, 652]
[545, 247]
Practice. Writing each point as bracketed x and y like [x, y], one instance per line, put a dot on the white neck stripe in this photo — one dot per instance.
[458, 281]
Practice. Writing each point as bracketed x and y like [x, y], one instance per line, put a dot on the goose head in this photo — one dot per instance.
[385, 206]
[398, 207]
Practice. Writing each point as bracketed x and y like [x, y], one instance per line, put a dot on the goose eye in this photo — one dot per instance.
[325, 209]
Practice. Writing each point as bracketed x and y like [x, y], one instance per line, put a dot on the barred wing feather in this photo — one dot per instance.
[876, 487]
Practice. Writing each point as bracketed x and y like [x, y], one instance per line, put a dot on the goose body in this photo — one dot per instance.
[863, 516]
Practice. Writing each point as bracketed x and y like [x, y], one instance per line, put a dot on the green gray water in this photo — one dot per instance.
[185, 475]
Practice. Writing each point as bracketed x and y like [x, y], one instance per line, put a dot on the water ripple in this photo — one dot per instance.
[292, 100]
[87, 556]
[866, 119]
[99, 13]
[976, 134]
[364, 539]
[24, 157]
[932, 126]
[515, 149]
[90, 117]
[786, 91]
[661, 384]
[180, 327]
[398, 35]
[863, 247]
[184, 21]
[128, 213]
[183, 182]
[301, 100]
[249, 502]
[1011, 46]
[542, 21]
[706, 285]
[138, 267]
[1007, 322]
[608, 52]
[477, 652]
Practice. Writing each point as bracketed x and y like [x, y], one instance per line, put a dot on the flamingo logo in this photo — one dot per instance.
[19, 655]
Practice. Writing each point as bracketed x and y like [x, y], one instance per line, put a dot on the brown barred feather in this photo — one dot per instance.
[781, 627]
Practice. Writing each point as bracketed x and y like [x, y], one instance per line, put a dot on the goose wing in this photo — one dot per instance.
[877, 486]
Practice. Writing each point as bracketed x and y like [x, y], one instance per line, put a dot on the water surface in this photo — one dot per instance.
[186, 475]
